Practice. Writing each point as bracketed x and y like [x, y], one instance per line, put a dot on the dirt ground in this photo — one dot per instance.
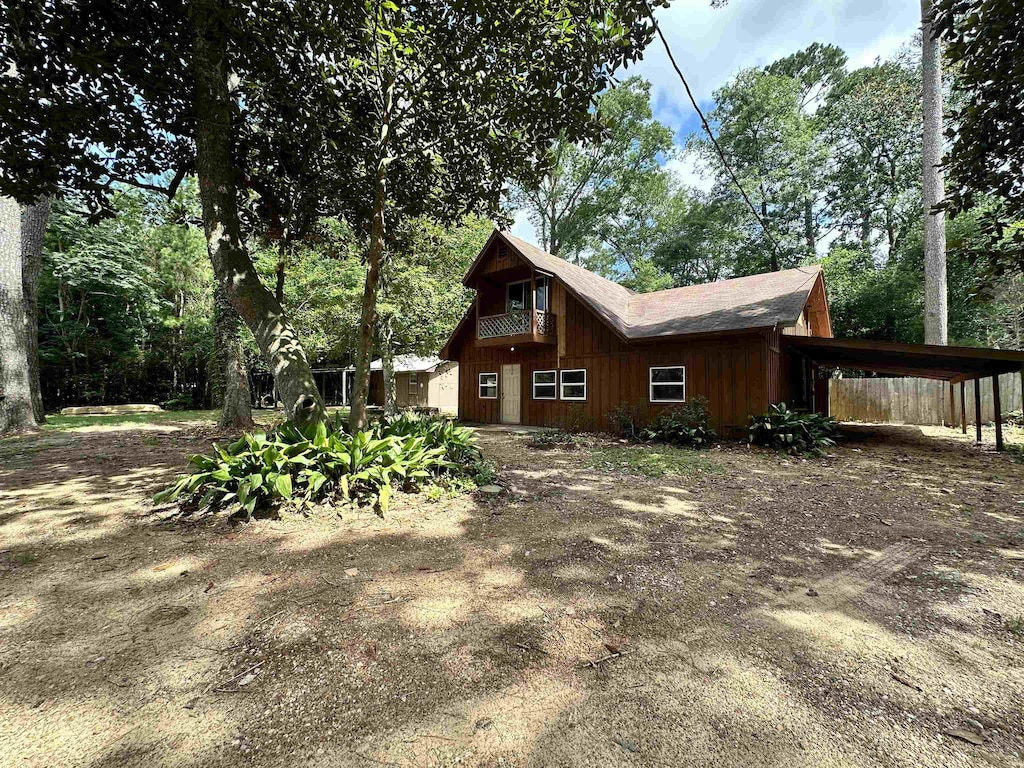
[854, 610]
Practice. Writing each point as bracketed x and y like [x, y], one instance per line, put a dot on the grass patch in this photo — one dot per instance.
[59, 423]
[653, 461]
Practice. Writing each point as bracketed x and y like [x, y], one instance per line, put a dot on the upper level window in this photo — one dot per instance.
[518, 296]
[574, 384]
[541, 302]
[668, 384]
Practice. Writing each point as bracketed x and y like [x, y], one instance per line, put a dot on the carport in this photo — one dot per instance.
[955, 365]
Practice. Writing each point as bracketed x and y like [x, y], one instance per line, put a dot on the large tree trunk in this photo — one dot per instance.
[236, 408]
[232, 266]
[33, 228]
[385, 337]
[935, 310]
[375, 257]
[15, 389]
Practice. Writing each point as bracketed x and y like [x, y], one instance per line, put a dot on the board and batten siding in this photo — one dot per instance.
[730, 370]
[917, 401]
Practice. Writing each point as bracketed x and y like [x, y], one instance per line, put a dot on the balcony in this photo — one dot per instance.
[524, 326]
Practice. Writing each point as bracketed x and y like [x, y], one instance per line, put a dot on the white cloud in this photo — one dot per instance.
[685, 167]
[523, 229]
[712, 44]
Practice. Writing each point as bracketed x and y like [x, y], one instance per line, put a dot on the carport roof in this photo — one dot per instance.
[928, 361]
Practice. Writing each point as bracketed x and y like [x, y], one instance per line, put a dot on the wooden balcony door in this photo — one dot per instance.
[511, 396]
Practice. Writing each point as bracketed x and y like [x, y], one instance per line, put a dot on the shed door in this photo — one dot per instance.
[510, 394]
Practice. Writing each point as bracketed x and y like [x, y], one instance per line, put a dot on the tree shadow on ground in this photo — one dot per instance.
[461, 630]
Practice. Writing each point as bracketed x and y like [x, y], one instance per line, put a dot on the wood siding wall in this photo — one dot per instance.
[731, 370]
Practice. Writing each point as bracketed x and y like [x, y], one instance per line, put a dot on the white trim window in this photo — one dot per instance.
[545, 385]
[573, 384]
[414, 384]
[667, 383]
[488, 386]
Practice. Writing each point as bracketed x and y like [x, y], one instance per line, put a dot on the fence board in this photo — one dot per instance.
[916, 401]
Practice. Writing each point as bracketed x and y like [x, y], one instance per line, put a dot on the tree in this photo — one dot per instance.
[591, 187]
[935, 294]
[872, 122]
[230, 368]
[33, 228]
[459, 97]
[16, 413]
[983, 39]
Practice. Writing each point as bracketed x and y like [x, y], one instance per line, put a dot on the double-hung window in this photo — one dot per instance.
[545, 385]
[413, 384]
[668, 384]
[574, 384]
[488, 385]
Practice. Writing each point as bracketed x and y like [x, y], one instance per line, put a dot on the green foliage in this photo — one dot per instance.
[306, 466]
[686, 425]
[648, 461]
[793, 432]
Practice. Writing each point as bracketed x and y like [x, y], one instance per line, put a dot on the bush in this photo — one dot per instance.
[686, 425]
[324, 462]
[1015, 418]
[793, 432]
[624, 420]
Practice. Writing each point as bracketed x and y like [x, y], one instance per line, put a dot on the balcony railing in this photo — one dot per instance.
[516, 324]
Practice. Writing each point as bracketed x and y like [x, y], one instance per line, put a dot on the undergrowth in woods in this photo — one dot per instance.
[326, 463]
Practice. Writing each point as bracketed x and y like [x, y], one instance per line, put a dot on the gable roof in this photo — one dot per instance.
[743, 303]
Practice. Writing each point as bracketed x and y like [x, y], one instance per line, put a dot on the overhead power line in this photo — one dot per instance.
[711, 135]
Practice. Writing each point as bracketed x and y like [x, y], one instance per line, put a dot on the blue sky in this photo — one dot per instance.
[711, 45]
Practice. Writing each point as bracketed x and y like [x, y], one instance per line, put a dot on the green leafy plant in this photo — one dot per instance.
[324, 462]
[793, 432]
[685, 425]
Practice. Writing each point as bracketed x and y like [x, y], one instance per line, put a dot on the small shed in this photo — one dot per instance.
[420, 382]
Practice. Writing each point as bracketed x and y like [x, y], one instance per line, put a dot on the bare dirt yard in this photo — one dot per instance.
[865, 609]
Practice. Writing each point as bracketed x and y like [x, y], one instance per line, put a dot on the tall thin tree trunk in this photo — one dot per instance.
[33, 228]
[232, 266]
[809, 234]
[236, 408]
[935, 297]
[386, 343]
[15, 388]
[774, 258]
[375, 257]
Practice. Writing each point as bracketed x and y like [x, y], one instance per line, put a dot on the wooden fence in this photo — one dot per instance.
[917, 401]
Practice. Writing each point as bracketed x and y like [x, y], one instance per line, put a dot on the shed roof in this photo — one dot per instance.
[928, 361]
[742, 303]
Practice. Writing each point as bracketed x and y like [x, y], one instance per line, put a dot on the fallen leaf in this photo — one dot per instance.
[909, 683]
[612, 648]
[969, 736]
[627, 745]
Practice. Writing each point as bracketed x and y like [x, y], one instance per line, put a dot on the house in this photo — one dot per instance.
[420, 382]
[549, 343]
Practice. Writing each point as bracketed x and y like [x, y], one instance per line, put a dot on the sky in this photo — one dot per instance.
[712, 44]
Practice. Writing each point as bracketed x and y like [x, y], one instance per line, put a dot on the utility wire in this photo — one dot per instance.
[711, 135]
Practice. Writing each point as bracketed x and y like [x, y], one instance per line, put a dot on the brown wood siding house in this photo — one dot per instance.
[548, 343]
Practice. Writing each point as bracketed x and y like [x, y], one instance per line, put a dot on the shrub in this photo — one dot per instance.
[324, 462]
[685, 425]
[575, 419]
[624, 420]
[794, 432]
[1015, 418]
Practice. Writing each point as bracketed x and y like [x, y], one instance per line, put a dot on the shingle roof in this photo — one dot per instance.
[757, 301]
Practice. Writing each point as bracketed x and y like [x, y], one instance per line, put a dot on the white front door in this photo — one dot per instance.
[510, 394]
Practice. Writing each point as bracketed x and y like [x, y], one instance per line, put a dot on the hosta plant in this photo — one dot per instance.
[793, 431]
[325, 462]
